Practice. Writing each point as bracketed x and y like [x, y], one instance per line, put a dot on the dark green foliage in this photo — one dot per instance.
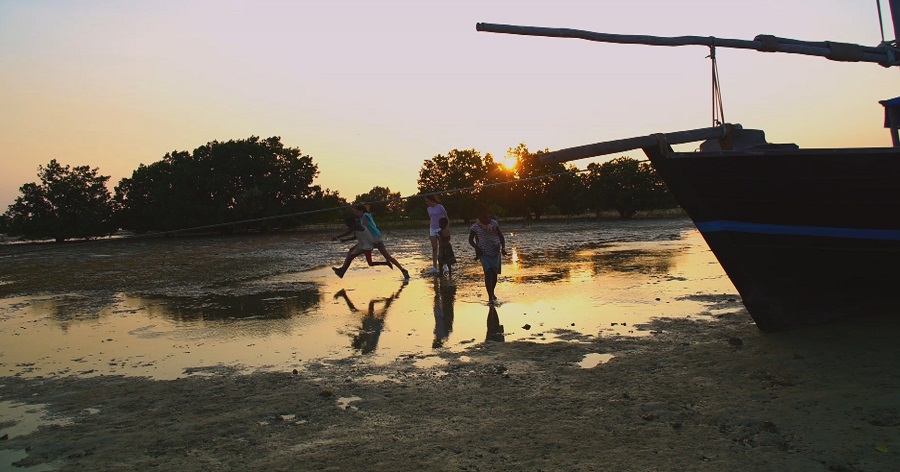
[258, 184]
[252, 181]
[457, 170]
[384, 203]
[67, 203]
[627, 186]
[568, 192]
[536, 194]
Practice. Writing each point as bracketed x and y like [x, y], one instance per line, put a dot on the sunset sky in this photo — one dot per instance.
[371, 89]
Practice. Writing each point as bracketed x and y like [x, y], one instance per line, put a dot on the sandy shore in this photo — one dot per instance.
[697, 395]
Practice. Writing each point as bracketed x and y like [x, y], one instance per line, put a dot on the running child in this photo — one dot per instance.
[368, 222]
[364, 245]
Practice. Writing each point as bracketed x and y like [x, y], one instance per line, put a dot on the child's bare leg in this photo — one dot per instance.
[388, 257]
[373, 263]
[343, 268]
[348, 260]
[490, 282]
[434, 252]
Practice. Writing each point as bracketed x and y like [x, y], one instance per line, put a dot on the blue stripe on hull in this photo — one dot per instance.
[824, 232]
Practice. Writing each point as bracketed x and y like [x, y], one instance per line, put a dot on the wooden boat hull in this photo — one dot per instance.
[806, 236]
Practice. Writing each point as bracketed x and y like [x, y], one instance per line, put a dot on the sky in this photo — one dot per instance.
[371, 89]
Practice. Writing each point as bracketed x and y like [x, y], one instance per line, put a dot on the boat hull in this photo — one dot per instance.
[806, 236]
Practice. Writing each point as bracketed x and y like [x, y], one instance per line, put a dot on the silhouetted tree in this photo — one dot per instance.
[568, 192]
[457, 170]
[221, 182]
[68, 202]
[533, 190]
[627, 186]
[384, 202]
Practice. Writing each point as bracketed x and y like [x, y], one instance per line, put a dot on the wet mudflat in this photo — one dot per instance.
[159, 307]
[616, 346]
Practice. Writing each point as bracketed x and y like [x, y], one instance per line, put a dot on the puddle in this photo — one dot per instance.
[430, 362]
[168, 309]
[594, 359]
[344, 403]
[21, 419]
[10, 456]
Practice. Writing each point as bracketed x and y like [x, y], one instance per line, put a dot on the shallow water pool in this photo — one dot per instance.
[168, 308]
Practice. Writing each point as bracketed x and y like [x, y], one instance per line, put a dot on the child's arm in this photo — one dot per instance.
[502, 240]
[345, 233]
[472, 243]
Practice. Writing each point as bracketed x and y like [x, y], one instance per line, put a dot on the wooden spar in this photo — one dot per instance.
[766, 43]
[628, 144]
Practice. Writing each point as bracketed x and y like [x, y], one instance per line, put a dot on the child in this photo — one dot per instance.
[364, 245]
[487, 239]
[446, 258]
[366, 220]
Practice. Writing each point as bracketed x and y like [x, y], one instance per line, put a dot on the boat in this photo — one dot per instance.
[807, 236]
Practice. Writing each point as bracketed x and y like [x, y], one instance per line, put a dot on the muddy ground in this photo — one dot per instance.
[697, 395]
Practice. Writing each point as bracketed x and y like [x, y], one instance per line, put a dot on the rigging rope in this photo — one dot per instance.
[718, 108]
[344, 207]
[890, 47]
[322, 210]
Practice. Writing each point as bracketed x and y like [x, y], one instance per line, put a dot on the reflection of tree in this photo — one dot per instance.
[444, 298]
[70, 309]
[494, 328]
[557, 264]
[634, 261]
[373, 321]
[266, 305]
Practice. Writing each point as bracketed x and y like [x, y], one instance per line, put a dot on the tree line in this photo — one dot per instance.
[258, 184]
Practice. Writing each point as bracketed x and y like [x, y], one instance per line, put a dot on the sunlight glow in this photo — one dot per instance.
[347, 89]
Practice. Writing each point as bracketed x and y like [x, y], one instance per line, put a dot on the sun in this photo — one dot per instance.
[508, 162]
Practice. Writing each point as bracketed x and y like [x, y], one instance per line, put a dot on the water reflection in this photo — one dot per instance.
[588, 262]
[444, 298]
[265, 305]
[76, 307]
[366, 340]
[494, 328]
[161, 307]
[640, 261]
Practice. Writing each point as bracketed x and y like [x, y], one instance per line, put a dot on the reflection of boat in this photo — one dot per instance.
[806, 235]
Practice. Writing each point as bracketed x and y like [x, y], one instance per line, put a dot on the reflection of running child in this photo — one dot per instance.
[364, 245]
[446, 258]
[372, 322]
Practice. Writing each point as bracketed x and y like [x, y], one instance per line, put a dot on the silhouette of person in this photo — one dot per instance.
[494, 328]
[373, 321]
[444, 298]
